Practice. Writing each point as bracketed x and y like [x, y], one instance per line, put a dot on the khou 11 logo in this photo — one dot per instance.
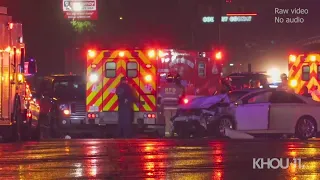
[276, 163]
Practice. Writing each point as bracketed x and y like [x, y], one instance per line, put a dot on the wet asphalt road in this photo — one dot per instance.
[156, 159]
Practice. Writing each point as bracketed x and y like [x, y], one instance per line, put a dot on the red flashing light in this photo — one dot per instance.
[185, 101]
[218, 55]
[153, 116]
[89, 115]
[121, 53]
[29, 115]
[161, 54]
[149, 115]
[92, 53]
[10, 26]
[292, 58]
[151, 53]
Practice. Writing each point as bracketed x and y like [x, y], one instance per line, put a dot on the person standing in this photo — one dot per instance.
[126, 99]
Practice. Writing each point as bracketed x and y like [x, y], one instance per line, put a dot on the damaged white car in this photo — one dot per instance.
[252, 111]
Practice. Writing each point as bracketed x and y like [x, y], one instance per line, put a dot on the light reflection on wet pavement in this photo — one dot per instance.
[155, 159]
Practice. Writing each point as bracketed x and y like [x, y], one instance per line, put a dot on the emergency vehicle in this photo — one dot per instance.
[14, 93]
[104, 71]
[200, 72]
[304, 71]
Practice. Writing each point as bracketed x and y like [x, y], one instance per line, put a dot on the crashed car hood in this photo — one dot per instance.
[205, 102]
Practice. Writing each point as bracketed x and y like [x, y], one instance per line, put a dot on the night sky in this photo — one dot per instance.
[169, 23]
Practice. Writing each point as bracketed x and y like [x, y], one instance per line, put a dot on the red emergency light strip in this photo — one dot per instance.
[242, 14]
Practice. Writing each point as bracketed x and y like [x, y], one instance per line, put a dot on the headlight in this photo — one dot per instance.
[93, 78]
[63, 107]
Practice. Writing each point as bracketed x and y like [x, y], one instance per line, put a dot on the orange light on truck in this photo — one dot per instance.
[293, 83]
[313, 58]
[151, 53]
[10, 26]
[148, 78]
[292, 58]
[218, 55]
[8, 49]
[121, 53]
[92, 53]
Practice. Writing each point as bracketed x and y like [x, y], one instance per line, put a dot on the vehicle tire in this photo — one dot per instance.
[222, 124]
[198, 131]
[306, 128]
[182, 133]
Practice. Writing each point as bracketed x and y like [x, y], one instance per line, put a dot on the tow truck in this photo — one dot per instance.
[15, 97]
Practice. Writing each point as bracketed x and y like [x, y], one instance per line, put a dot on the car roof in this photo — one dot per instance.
[65, 77]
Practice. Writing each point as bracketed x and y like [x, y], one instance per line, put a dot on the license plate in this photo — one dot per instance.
[149, 121]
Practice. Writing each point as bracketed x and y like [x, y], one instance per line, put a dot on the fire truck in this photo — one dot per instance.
[14, 93]
[200, 72]
[304, 71]
[200, 75]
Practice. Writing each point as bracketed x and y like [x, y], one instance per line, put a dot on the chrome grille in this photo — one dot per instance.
[78, 110]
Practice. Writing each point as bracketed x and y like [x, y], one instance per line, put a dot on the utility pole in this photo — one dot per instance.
[219, 16]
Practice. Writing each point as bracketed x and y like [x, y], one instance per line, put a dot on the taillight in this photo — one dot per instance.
[92, 116]
[150, 115]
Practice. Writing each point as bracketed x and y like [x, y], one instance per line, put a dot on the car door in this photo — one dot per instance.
[253, 112]
[284, 110]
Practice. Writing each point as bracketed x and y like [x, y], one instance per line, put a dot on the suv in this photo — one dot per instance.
[63, 109]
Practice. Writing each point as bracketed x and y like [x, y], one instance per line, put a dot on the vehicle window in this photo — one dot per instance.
[132, 69]
[284, 97]
[260, 98]
[45, 86]
[111, 68]
[69, 88]
[235, 95]
[305, 73]
[318, 72]
[202, 69]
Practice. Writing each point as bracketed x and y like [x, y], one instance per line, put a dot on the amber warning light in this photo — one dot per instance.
[92, 53]
[292, 58]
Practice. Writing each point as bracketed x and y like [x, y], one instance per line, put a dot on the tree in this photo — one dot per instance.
[82, 26]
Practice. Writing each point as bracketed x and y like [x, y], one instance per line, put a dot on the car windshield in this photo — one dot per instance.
[75, 88]
[235, 95]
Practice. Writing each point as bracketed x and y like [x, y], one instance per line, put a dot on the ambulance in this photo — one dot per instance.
[104, 71]
[304, 71]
